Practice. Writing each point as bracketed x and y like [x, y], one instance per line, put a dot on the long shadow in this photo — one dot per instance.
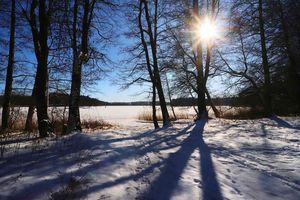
[13, 141]
[165, 184]
[283, 123]
[55, 154]
[179, 158]
[210, 185]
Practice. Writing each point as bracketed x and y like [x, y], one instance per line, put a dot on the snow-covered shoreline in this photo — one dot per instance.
[229, 159]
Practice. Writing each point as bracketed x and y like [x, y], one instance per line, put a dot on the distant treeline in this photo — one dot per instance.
[55, 99]
[219, 101]
[58, 99]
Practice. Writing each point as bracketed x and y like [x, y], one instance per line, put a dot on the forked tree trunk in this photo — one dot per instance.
[147, 57]
[152, 33]
[10, 68]
[39, 31]
[79, 57]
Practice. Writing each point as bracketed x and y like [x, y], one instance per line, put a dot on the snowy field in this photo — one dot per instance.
[218, 159]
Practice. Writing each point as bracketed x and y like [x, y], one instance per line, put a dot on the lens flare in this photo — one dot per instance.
[207, 31]
[204, 31]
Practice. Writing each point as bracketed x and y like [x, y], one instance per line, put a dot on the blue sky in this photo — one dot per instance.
[107, 90]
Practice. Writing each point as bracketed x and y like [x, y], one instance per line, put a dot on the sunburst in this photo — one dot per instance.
[204, 31]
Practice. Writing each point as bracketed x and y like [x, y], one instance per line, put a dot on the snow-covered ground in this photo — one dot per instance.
[218, 159]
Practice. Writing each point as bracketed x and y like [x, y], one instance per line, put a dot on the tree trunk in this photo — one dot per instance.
[154, 117]
[201, 104]
[10, 68]
[74, 123]
[267, 81]
[162, 101]
[153, 43]
[216, 112]
[44, 125]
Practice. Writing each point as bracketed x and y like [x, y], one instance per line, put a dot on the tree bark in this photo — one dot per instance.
[216, 112]
[10, 68]
[74, 123]
[265, 63]
[201, 103]
[154, 117]
[40, 41]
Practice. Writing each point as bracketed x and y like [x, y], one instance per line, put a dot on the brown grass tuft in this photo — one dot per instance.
[95, 125]
[60, 126]
[147, 116]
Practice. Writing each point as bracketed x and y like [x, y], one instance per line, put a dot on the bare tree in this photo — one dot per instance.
[40, 31]
[152, 27]
[10, 68]
[148, 63]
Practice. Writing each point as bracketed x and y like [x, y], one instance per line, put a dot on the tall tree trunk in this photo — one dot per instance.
[201, 103]
[149, 68]
[10, 68]
[153, 42]
[44, 125]
[154, 117]
[265, 63]
[79, 58]
[74, 123]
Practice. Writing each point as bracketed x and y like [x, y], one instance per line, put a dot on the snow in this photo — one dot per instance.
[218, 159]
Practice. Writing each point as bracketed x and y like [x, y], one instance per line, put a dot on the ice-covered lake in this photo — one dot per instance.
[112, 114]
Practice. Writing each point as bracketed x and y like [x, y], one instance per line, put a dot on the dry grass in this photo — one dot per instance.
[60, 125]
[147, 116]
[95, 125]
[243, 113]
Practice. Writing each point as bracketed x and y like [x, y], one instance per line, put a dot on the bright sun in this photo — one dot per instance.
[207, 31]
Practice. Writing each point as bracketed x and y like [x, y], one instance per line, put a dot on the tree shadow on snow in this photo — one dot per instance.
[62, 155]
[283, 123]
[58, 156]
[164, 186]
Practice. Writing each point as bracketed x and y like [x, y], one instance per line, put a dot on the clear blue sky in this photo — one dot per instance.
[106, 90]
